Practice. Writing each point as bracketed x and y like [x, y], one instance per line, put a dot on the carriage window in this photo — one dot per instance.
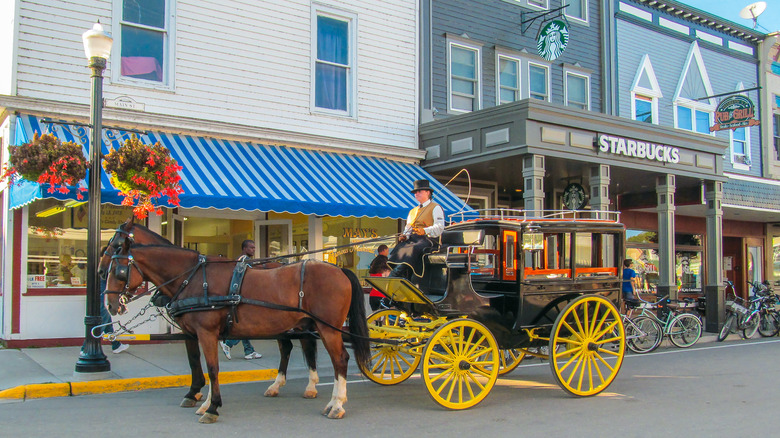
[509, 250]
[546, 256]
[57, 243]
[595, 254]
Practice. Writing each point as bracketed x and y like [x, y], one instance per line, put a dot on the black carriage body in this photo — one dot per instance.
[515, 274]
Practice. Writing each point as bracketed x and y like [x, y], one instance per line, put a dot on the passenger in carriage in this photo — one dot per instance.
[424, 224]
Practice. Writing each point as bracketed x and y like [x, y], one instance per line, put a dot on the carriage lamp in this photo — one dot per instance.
[97, 46]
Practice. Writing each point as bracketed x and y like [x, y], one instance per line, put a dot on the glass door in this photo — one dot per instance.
[273, 237]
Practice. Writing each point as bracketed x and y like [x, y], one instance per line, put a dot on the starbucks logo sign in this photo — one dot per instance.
[552, 40]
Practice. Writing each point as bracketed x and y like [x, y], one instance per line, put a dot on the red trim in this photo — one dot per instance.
[68, 342]
[16, 274]
[55, 291]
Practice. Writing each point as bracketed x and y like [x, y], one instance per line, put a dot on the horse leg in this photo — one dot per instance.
[309, 346]
[214, 400]
[285, 347]
[198, 381]
[339, 356]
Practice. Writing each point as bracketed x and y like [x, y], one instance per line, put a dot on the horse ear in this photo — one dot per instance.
[130, 221]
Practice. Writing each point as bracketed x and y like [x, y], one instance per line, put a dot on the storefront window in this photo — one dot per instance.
[776, 257]
[57, 241]
[217, 236]
[338, 231]
[643, 250]
[688, 270]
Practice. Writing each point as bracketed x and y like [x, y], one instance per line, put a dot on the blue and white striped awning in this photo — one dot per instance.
[236, 175]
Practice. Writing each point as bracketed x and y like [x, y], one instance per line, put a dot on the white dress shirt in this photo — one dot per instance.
[434, 230]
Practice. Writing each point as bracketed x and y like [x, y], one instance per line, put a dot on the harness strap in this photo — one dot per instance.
[300, 293]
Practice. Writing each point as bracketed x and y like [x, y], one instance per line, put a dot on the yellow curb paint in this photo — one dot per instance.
[43, 390]
[120, 385]
[16, 392]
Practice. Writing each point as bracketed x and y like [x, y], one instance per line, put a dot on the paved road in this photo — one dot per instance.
[714, 390]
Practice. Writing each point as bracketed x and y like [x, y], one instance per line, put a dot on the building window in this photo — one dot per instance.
[145, 41]
[334, 61]
[464, 78]
[740, 149]
[577, 91]
[777, 136]
[643, 108]
[538, 3]
[508, 79]
[577, 9]
[694, 120]
[538, 82]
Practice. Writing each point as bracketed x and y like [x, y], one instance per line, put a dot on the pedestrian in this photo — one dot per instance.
[247, 251]
[116, 346]
[424, 223]
[629, 280]
[378, 268]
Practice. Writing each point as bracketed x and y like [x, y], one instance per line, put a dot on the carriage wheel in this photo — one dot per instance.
[390, 364]
[460, 364]
[588, 342]
[509, 359]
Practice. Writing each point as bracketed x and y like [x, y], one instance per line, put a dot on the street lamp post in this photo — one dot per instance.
[97, 46]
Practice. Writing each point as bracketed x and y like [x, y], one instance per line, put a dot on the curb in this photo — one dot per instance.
[46, 390]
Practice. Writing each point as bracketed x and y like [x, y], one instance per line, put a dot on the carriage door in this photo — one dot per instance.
[273, 238]
[509, 239]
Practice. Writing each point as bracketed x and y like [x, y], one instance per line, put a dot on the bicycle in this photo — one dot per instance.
[683, 329]
[643, 334]
[745, 317]
[769, 323]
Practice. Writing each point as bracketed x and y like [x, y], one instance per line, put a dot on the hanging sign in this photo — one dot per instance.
[552, 39]
[735, 112]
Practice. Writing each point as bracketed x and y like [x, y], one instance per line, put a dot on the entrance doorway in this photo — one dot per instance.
[733, 260]
[273, 237]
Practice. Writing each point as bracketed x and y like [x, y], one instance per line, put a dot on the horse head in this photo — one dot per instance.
[123, 278]
[127, 234]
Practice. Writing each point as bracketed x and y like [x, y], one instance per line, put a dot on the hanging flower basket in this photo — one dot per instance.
[143, 174]
[47, 160]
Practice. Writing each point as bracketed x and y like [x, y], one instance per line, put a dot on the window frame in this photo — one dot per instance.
[694, 107]
[548, 85]
[477, 49]
[518, 90]
[653, 94]
[746, 161]
[776, 135]
[169, 49]
[694, 56]
[352, 28]
[566, 74]
[584, 18]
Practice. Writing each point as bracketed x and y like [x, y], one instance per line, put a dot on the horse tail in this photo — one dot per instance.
[358, 327]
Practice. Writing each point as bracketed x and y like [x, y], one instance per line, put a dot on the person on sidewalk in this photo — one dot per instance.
[378, 268]
[630, 280]
[247, 251]
[116, 346]
[424, 224]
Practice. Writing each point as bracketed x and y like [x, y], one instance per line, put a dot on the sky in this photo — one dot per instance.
[768, 22]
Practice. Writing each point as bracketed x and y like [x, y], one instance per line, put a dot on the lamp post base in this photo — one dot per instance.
[92, 359]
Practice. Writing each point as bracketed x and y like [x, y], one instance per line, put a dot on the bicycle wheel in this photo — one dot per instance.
[731, 320]
[643, 334]
[684, 330]
[751, 325]
[769, 324]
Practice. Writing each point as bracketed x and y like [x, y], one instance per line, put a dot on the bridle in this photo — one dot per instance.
[115, 245]
[122, 273]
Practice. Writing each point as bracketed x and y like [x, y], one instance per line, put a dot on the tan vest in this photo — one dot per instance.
[423, 217]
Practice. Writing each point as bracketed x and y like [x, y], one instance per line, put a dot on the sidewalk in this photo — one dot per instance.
[49, 372]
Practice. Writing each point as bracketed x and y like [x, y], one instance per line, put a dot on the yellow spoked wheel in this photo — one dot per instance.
[390, 364]
[588, 342]
[460, 364]
[509, 359]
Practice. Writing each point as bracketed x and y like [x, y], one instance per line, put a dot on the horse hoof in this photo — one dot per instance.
[208, 418]
[201, 410]
[337, 413]
[310, 394]
[188, 403]
[271, 393]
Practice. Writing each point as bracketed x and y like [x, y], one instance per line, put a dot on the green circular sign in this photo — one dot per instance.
[574, 196]
[552, 39]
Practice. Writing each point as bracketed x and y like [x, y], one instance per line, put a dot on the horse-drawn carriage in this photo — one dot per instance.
[504, 285]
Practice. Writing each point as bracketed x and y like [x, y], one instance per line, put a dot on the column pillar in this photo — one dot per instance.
[667, 281]
[599, 190]
[315, 236]
[713, 289]
[533, 184]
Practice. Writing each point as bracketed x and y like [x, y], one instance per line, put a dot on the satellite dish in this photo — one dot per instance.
[752, 11]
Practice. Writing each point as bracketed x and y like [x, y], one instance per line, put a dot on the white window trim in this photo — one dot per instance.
[585, 12]
[167, 83]
[653, 93]
[531, 5]
[519, 84]
[747, 155]
[478, 70]
[694, 55]
[351, 18]
[549, 80]
[566, 74]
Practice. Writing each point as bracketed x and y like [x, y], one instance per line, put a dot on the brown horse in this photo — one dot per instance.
[133, 233]
[302, 296]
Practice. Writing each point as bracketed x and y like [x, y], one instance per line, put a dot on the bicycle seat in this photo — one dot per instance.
[632, 303]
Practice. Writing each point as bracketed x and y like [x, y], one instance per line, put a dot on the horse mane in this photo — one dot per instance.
[156, 245]
[159, 237]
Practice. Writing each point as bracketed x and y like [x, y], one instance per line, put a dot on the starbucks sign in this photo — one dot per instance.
[552, 39]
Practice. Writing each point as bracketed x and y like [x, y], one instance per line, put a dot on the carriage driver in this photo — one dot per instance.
[424, 224]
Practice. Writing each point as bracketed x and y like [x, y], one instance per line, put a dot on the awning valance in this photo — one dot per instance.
[234, 175]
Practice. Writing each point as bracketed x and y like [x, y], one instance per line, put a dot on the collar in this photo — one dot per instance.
[425, 204]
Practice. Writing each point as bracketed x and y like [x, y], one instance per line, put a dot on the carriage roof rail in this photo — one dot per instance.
[511, 214]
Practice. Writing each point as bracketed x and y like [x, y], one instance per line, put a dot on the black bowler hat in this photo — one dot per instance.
[422, 184]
